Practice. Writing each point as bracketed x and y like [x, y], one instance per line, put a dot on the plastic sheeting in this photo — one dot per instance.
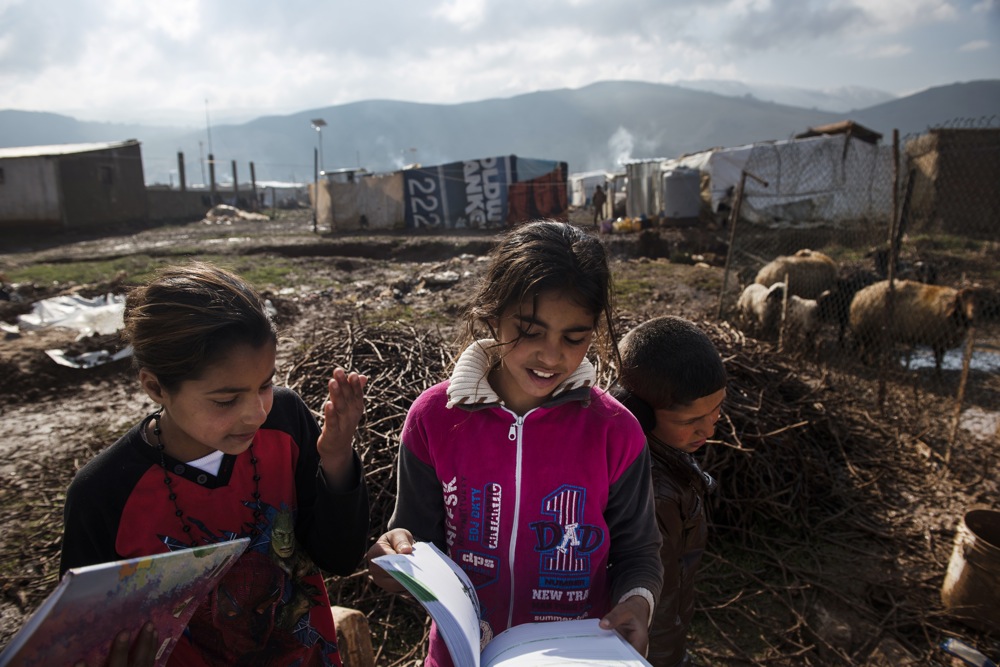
[97, 315]
[815, 180]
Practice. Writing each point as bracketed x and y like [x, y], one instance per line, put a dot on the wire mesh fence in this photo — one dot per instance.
[852, 252]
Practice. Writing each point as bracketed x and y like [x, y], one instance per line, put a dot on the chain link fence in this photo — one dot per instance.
[818, 226]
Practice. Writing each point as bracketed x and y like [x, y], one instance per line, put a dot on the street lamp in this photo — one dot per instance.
[318, 125]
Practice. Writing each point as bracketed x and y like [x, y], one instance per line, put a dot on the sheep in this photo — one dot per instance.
[801, 320]
[759, 308]
[809, 272]
[932, 315]
[920, 271]
[834, 305]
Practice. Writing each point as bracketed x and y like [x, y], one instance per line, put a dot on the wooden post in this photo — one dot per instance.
[891, 272]
[236, 185]
[255, 206]
[784, 311]
[211, 177]
[354, 639]
[180, 171]
[734, 214]
[315, 190]
[960, 396]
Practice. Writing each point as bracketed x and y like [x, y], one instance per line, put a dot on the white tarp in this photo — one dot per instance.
[820, 179]
[583, 184]
[97, 315]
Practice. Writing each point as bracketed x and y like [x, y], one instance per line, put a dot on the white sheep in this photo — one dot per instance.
[932, 315]
[809, 272]
[801, 320]
[759, 309]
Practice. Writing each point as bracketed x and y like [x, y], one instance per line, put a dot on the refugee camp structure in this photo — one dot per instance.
[954, 176]
[817, 179]
[583, 184]
[72, 186]
[474, 194]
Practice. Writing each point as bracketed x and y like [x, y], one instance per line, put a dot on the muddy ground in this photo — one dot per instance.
[922, 473]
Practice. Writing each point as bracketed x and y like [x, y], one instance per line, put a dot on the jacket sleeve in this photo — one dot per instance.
[635, 540]
[332, 525]
[668, 629]
[419, 504]
[94, 503]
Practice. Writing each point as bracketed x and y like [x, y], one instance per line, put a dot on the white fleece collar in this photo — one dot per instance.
[469, 383]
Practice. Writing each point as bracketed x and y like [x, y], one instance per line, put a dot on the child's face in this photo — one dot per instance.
[687, 428]
[222, 409]
[554, 339]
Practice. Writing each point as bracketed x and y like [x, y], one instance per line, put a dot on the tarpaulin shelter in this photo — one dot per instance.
[825, 178]
[582, 185]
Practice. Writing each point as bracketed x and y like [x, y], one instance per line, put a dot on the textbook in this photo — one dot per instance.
[447, 593]
[92, 604]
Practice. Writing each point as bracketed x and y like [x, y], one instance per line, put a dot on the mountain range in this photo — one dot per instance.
[595, 127]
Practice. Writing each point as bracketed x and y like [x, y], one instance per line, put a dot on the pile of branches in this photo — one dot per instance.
[808, 520]
[400, 362]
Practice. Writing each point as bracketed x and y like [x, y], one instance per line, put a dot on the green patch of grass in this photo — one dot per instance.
[272, 272]
[84, 271]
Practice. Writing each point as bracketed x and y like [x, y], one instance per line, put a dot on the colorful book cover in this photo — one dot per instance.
[91, 605]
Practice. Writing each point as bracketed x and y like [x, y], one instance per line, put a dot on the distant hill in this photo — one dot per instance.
[594, 127]
[838, 100]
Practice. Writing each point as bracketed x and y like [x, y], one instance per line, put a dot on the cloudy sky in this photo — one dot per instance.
[124, 60]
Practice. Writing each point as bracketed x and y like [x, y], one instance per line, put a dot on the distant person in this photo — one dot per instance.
[598, 200]
[673, 380]
[521, 463]
[226, 455]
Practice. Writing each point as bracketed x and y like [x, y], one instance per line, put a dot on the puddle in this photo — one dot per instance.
[982, 360]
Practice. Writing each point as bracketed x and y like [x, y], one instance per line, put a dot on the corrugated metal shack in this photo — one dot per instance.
[72, 186]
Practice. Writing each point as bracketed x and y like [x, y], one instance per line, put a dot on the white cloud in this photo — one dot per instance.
[977, 45]
[466, 14]
[124, 56]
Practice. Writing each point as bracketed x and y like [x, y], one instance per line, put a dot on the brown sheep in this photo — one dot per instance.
[809, 273]
[932, 315]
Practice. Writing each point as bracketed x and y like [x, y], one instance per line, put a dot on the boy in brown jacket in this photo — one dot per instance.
[673, 380]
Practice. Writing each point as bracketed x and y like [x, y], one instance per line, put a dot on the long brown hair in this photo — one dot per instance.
[188, 317]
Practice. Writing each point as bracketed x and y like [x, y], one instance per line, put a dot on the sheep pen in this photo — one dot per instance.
[831, 530]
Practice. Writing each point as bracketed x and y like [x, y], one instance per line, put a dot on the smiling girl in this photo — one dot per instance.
[227, 454]
[532, 480]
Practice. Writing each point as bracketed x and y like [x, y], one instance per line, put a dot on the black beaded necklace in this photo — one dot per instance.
[172, 493]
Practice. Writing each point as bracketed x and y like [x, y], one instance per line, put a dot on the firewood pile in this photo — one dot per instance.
[809, 517]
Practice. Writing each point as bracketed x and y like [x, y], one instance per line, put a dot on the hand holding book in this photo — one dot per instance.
[448, 595]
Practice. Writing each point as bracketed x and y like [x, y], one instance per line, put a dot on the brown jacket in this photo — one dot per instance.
[679, 487]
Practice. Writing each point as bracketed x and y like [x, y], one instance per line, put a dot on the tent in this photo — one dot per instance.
[582, 185]
[797, 182]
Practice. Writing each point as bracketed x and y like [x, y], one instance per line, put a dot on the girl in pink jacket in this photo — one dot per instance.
[528, 476]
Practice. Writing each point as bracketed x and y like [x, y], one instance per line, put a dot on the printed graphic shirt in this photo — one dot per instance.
[271, 607]
[550, 513]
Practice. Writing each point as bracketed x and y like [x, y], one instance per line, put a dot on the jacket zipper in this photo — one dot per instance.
[515, 434]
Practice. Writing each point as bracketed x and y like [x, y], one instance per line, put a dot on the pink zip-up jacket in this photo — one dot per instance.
[550, 513]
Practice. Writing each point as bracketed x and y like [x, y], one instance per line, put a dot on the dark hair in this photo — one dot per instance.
[540, 257]
[189, 317]
[667, 362]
